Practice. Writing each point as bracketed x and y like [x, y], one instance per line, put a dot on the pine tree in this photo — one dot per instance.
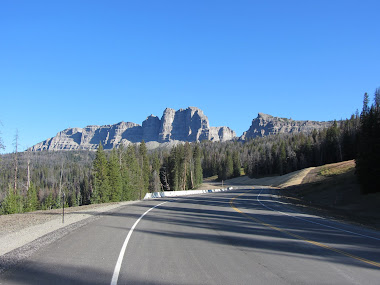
[101, 182]
[377, 98]
[186, 168]
[145, 170]
[114, 174]
[229, 165]
[131, 174]
[154, 180]
[198, 173]
[173, 169]
[367, 161]
[31, 203]
[85, 191]
[236, 164]
[13, 203]
[365, 104]
[333, 145]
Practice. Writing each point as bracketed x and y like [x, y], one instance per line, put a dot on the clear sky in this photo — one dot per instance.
[77, 63]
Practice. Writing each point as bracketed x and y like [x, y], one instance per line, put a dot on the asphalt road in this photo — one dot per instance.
[238, 237]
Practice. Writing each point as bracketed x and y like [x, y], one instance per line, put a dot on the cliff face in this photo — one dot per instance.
[265, 125]
[174, 126]
[183, 125]
[186, 125]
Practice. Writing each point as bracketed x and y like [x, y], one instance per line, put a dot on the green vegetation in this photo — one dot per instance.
[182, 168]
[331, 170]
[95, 177]
[282, 153]
[368, 158]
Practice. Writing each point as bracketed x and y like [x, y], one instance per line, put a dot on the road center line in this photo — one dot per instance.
[116, 272]
[376, 264]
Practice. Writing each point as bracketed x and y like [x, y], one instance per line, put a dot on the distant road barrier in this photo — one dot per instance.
[182, 193]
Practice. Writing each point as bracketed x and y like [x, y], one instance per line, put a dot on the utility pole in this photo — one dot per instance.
[28, 172]
[60, 182]
[63, 207]
[15, 163]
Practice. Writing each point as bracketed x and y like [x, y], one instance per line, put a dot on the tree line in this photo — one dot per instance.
[368, 157]
[45, 180]
[38, 180]
[282, 153]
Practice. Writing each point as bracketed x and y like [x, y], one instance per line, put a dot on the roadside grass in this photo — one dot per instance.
[210, 178]
[336, 169]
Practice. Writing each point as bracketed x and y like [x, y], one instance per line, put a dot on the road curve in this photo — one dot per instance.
[239, 237]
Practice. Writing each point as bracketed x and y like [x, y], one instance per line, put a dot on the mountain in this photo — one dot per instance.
[174, 126]
[265, 125]
[182, 125]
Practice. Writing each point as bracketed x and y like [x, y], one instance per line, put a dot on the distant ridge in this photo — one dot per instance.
[183, 125]
[265, 125]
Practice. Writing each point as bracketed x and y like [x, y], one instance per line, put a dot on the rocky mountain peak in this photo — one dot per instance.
[264, 116]
[188, 124]
[264, 125]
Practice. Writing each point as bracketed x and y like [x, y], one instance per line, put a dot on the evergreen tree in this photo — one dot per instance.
[145, 170]
[367, 161]
[114, 174]
[154, 180]
[377, 98]
[365, 104]
[198, 173]
[48, 202]
[131, 174]
[174, 168]
[187, 172]
[236, 164]
[13, 203]
[101, 181]
[85, 190]
[31, 203]
[333, 146]
[229, 165]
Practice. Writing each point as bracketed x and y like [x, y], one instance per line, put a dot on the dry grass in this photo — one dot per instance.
[286, 180]
[334, 169]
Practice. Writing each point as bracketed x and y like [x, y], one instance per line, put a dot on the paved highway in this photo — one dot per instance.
[237, 237]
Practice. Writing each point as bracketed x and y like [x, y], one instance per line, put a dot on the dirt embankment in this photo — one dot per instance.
[286, 180]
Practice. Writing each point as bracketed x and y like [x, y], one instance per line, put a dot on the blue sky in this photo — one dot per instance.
[77, 63]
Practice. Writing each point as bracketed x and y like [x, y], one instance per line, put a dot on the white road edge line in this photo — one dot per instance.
[116, 272]
[305, 220]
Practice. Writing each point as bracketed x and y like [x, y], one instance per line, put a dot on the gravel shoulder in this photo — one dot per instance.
[18, 230]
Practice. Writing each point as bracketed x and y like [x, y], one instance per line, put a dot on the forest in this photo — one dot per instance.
[44, 180]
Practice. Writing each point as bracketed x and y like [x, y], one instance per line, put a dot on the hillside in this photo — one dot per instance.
[333, 189]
